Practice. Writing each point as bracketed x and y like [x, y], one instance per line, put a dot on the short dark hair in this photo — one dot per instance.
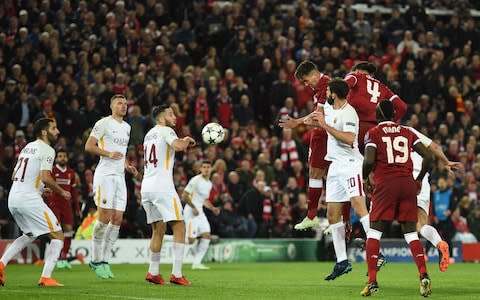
[305, 68]
[41, 124]
[116, 96]
[62, 150]
[339, 87]
[385, 110]
[159, 109]
[207, 162]
[365, 66]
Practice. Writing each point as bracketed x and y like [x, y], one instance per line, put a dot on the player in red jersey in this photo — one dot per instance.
[63, 210]
[308, 73]
[388, 148]
[365, 93]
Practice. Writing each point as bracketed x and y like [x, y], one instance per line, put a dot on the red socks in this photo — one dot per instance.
[373, 250]
[314, 195]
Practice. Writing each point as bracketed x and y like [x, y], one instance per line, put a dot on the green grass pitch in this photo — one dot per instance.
[243, 281]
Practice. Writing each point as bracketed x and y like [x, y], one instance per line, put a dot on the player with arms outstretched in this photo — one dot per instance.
[308, 73]
[32, 215]
[159, 198]
[196, 196]
[387, 153]
[109, 140]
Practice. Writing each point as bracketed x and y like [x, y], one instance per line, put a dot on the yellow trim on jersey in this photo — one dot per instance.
[37, 182]
[99, 195]
[49, 222]
[102, 143]
[167, 163]
[177, 211]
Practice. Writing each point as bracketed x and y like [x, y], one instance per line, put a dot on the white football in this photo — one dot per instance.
[213, 133]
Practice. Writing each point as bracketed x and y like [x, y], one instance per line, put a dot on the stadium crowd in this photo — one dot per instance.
[233, 62]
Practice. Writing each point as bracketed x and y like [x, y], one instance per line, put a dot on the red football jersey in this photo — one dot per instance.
[321, 91]
[66, 180]
[394, 144]
[366, 91]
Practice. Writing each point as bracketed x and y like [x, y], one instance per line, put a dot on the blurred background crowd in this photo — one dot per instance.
[233, 62]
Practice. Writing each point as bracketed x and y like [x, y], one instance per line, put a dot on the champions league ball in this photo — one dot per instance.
[213, 133]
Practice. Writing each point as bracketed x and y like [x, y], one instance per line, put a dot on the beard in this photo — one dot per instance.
[51, 138]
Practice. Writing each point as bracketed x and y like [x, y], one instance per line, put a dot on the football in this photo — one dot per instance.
[213, 133]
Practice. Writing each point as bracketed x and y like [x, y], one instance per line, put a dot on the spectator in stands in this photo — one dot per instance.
[251, 207]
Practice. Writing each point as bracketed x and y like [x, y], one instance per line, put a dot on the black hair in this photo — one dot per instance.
[385, 111]
[159, 109]
[339, 87]
[365, 66]
[41, 124]
[305, 68]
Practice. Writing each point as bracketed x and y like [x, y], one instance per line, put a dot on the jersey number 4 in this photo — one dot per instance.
[397, 149]
[20, 161]
[373, 90]
[152, 157]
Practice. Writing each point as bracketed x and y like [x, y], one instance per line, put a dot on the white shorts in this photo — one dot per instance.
[36, 220]
[344, 181]
[110, 192]
[423, 199]
[162, 206]
[197, 225]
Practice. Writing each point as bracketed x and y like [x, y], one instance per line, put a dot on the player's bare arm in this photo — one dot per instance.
[209, 206]
[438, 152]
[187, 198]
[183, 143]
[91, 147]
[53, 185]
[368, 163]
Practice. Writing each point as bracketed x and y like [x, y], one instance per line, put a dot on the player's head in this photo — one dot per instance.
[62, 157]
[365, 67]
[164, 115]
[337, 89]
[118, 105]
[307, 72]
[46, 129]
[206, 168]
[385, 111]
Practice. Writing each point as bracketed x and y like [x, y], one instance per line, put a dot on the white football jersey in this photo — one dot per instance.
[416, 158]
[35, 157]
[159, 158]
[112, 136]
[343, 119]
[199, 189]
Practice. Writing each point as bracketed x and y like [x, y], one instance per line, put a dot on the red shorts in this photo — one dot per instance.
[318, 149]
[395, 199]
[63, 211]
[362, 131]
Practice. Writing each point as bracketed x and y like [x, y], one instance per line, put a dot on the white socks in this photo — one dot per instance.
[51, 257]
[338, 235]
[431, 234]
[201, 250]
[111, 235]
[365, 220]
[154, 262]
[17, 246]
[178, 249]
[97, 240]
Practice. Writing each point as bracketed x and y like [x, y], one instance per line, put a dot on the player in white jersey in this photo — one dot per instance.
[109, 140]
[196, 195]
[344, 182]
[159, 198]
[32, 215]
[423, 199]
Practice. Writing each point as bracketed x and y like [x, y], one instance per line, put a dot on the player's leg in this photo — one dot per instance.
[204, 228]
[431, 234]
[111, 236]
[66, 219]
[178, 228]
[153, 275]
[51, 256]
[372, 254]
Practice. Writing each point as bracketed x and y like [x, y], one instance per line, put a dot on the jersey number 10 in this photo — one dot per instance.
[397, 150]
